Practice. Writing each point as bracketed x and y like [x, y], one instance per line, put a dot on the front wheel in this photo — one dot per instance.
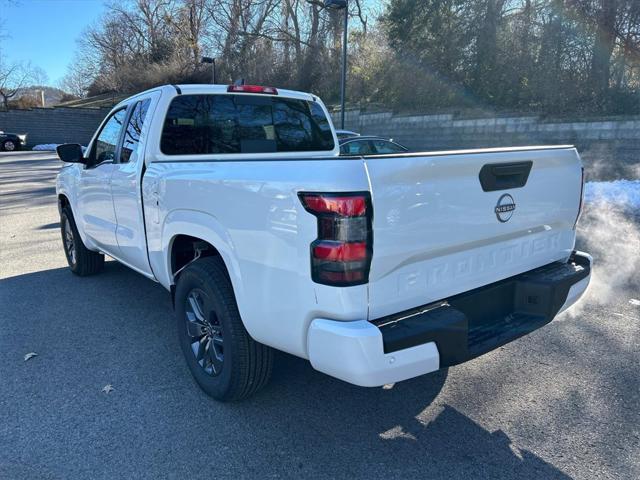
[9, 146]
[81, 260]
[224, 360]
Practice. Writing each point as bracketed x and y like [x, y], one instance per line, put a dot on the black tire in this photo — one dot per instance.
[224, 360]
[81, 260]
[10, 146]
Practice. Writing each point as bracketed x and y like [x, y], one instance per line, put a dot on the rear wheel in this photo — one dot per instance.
[225, 361]
[81, 260]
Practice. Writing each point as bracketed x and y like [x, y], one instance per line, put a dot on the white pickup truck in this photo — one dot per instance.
[376, 269]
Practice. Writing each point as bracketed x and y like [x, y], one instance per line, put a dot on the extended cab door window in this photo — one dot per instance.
[133, 131]
[105, 147]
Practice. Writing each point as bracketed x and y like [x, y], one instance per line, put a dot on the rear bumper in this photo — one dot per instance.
[463, 327]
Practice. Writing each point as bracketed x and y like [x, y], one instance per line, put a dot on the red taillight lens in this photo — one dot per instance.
[252, 89]
[341, 255]
[344, 206]
[340, 252]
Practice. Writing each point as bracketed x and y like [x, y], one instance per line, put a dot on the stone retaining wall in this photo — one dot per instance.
[610, 147]
[53, 125]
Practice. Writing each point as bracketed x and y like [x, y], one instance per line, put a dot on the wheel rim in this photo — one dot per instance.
[9, 146]
[69, 243]
[204, 333]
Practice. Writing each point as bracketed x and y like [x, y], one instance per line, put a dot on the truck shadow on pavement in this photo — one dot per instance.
[117, 328]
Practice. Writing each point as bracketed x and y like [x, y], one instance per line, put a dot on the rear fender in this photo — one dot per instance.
[205, 227]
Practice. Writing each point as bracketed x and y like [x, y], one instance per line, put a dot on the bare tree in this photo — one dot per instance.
[546, 55]
[14, 76]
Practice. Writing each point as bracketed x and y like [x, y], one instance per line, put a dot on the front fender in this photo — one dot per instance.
[67, 182]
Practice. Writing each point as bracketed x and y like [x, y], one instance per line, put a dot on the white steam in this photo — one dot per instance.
[610, 231]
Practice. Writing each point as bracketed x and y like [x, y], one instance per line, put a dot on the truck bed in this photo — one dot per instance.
[435, 229]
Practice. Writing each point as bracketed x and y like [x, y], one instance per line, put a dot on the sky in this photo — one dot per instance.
[44, 32]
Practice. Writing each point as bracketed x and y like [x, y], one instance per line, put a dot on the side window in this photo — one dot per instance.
[134, 130]
[358, 147]
[105, 148]
[382, 146]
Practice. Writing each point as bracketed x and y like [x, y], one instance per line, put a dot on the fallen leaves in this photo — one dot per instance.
[30, 355]
[107, 389]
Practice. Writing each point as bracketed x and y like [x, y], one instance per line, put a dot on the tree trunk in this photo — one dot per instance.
[310, 64]
[486, 53]
[603, 46]
[552, 50]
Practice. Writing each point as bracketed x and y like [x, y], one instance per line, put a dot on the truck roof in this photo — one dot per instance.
[191, 89]
[204, 88]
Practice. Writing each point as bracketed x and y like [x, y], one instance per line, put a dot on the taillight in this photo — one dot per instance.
[341, 255]
[252, 89]
[581, 204]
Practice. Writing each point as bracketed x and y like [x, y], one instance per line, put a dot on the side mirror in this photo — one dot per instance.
[71, 153]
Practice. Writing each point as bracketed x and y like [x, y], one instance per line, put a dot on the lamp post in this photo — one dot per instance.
[212, 61]
[341, 5]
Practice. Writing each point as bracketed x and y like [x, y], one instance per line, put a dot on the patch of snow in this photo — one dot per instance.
[45, 147]
[51, 147]
[622, 193]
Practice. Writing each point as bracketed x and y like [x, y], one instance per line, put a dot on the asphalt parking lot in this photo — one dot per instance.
[563, 402]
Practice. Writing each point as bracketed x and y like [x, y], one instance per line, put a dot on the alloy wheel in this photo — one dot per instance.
[205, 333]
[69, 241]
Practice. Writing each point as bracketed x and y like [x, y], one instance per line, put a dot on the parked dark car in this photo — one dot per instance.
[10, 142]
[369, 145]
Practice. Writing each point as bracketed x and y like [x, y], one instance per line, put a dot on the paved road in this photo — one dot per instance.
[562, 402]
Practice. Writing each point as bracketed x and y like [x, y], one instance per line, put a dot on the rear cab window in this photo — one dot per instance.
[201, 124]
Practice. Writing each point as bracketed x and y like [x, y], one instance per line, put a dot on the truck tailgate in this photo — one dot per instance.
[440, 231]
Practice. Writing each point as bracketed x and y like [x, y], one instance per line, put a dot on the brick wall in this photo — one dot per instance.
[610, 147]
[53, 125]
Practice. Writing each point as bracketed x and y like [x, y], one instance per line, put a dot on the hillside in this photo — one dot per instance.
[52, 95]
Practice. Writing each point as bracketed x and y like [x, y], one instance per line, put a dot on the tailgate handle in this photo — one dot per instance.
[503, 176]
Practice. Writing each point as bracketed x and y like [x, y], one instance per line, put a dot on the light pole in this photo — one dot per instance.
[212, 61]
[342, 5]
